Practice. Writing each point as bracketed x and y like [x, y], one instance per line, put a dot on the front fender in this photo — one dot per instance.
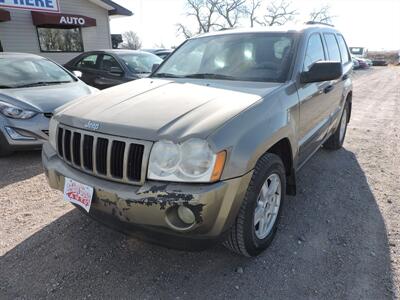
[250, 134]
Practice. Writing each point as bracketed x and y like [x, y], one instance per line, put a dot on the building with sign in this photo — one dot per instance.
[57, 29]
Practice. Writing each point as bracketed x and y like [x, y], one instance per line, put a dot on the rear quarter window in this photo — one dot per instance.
[343, 49]
[333, 47]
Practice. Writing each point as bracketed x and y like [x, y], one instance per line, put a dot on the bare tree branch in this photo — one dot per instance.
[322, 15]
[211, 15]
[251, 9]
[204, 12]
[182, 29]
[278, 13]
[231, 11]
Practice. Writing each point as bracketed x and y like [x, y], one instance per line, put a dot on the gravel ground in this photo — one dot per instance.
[339, 238]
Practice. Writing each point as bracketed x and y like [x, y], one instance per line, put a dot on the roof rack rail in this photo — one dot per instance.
[319, 23]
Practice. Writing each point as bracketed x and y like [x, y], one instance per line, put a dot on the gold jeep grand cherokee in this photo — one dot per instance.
[206, 148]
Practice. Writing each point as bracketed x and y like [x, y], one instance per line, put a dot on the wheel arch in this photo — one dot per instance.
[283, 149]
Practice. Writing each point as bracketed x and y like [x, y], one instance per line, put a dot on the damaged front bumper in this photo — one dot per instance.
[150, 211]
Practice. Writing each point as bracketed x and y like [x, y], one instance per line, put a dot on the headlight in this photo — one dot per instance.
[14, 112]
[53, 132]
[191, 161]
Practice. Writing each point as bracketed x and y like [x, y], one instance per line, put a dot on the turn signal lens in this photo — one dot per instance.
[219, 166]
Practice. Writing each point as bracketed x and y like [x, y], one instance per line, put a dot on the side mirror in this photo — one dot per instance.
[322, 71]
[154, 67]
[115, 71]
[77, 74]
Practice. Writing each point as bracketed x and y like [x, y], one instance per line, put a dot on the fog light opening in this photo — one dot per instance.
[15, 135]
[186, 215]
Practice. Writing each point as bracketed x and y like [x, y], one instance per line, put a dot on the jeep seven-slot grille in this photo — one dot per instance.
[103, 156]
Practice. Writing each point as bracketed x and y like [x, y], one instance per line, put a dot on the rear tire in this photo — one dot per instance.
[246, 237]
[335, 142]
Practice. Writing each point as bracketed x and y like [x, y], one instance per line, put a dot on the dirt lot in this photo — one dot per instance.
[339, 238]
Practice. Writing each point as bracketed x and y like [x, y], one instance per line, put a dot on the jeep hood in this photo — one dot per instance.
[153, 109]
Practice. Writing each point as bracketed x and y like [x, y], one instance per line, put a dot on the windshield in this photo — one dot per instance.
[140, 62]
[23, 72]
[247, 57]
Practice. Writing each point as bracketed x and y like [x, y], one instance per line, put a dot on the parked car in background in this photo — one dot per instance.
[31, 88]
[362, 62]
[379, 61]
[107, 68]
[356, 64]
[207, 148]
[368, 61]
[359, 51]
[162, 53]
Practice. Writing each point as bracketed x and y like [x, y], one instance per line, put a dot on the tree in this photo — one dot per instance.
[323, 15]
[221, 14]
[132, 40]
[278, 13]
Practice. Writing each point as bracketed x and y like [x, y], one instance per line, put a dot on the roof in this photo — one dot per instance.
[280, 29]
[113, 8]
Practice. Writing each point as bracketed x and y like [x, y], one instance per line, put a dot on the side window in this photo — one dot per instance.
[314, 52]
[109, 62]
[88, 62]
[343, 49]
[333, 47]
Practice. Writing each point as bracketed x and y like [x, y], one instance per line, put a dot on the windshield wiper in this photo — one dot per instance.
[6, 87]
[210, 76]
[42, 83]
[166, 75]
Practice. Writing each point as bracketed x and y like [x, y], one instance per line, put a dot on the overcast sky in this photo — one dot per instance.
[371, 23]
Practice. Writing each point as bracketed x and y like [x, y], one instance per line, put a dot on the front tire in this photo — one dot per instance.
[4, 149]
[335, 142]
[257, 221]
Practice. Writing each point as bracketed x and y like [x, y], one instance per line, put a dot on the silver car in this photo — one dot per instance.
[31, 88]
[206, 148]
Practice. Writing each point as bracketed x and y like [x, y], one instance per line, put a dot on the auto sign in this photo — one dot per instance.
[33, 5]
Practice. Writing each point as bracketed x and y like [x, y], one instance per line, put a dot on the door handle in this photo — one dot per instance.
[329, 88]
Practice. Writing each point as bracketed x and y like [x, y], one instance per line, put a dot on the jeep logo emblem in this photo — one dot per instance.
[92, 125]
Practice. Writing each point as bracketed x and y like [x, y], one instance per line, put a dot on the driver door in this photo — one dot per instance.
[314, 104]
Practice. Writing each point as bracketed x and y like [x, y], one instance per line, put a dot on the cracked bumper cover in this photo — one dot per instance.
[142, 210]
